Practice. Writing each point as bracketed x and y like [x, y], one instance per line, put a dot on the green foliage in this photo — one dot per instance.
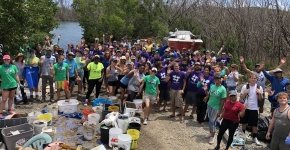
[25, 18]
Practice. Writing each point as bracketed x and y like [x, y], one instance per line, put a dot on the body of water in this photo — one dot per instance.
[70, 32]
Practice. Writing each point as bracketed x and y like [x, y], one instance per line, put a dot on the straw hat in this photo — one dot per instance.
[19, 55]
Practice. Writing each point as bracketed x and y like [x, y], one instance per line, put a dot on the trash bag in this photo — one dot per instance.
[262, 136]
[263, 123]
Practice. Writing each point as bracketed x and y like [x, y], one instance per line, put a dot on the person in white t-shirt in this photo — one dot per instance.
[251, 93]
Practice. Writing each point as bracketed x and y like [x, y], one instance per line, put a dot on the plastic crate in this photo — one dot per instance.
[26, 132]
[11, 122]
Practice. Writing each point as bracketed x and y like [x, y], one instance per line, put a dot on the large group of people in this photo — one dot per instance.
[159, 74]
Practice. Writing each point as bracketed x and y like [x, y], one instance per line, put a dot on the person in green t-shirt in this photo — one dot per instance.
[96, 70]
[151, 92]
[217, 96]
[10, 82]
[60, 72]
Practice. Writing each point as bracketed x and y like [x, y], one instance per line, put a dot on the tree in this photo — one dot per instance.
[25, 23]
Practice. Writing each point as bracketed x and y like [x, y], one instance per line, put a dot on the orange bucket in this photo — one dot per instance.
[86, 112]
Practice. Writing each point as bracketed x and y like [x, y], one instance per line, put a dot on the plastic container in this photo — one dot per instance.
[138, 103]
[47, 117]
[11, 122]
[51, 131]
[25, 131]
[123, 122]
[94, 118]
[99, 110]
[130, 110]
[134, 119]
[113, 135]
[89, 130]
[114, 99]
[134, 125]
[113, 108]
[86, 112]
[68, 106]
[38, 125]
[105, 134]
[125, 140]
[33, 116]
[135, 134]
[101, 102]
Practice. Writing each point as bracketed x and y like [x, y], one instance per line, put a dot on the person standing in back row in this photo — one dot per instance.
[251, 93]
[45, 62]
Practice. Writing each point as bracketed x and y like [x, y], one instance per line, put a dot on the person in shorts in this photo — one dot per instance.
[73, 70]
[163, 86]
[112, 76]
[151, 94]
[10, 82]
[177, 81]
[60, 72]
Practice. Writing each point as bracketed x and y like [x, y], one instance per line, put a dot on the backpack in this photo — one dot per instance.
[248, 87]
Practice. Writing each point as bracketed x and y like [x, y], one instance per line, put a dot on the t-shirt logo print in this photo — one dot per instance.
[261, 77]
[9, 71]
[205, 82]
[162, 75]
[153, 81]
[193, 79]
[214, 92]
[175, 78]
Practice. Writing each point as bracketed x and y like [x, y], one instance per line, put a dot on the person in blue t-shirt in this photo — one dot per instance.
[73, 70]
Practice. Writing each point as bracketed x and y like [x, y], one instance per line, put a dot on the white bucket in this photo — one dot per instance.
[138, 103]
[130, 111]
[123, 124]
[51, 131]
[33, 116]
[99, 110]
[68, 106]
[94, 118]
[38, 125]
[113, 135]
[89, 130]
[125, 140]
[114, 99]
[134, 119]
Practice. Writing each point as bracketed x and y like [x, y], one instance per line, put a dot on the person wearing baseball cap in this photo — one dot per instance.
[96, 76]
[217, 95]
[10, 82]
[151, 94]
[73, 70]
[224, 58]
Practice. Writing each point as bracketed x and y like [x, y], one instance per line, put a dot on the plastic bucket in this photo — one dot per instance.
[89, 130]
[134, 119]
[47, 117]
[125, 140]
[51, 131]
[98, 110]
[130, 111]
[86, 112]
[114, 99]
[101, 101]
[94, 118]
[105, 134]
[138, 103]
[135, 134]
[113, 135]
[38, 125]
[134, 125]
[123, 122]
[33, 116]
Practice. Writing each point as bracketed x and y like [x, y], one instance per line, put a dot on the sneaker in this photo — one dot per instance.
[86, 103]
[217, 148]
[256, 141]
[11, 112]
[208, 136]
[145, 122]
[211, 140]
[149, 119]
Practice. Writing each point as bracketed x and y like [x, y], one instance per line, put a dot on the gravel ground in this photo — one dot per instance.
[160, 134]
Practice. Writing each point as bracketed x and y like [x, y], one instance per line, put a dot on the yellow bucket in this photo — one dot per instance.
[47, 117]
[135, 134]
[113, 108]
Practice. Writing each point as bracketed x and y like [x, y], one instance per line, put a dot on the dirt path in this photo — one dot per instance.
[165, 134]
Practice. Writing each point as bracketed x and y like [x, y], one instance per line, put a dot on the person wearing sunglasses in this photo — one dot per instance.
[112, 72]
[10, 82]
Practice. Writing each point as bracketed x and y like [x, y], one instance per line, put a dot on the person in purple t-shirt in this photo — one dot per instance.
[155, 57]
[163, 86]
[201, 106]
[177, 80]
[184, 65]
[144, 56]
[225, 59]
[196, 58]
[192, 74]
